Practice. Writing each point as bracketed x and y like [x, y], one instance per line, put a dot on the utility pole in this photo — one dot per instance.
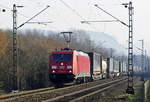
[130, 89]
[142, 55]
[148, 64]
[67, 38]
[145, 60]
[111, 52]
[15, 49]
[15, 77]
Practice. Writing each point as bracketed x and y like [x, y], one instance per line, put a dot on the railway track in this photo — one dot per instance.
[15, 95]
[51, 93]
[81, 95]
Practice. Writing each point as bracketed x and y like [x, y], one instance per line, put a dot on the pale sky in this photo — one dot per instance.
[65, 18]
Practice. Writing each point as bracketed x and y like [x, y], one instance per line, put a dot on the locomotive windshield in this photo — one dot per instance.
[62, 57]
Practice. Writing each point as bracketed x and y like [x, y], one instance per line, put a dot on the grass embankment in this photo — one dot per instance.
[147, 90]
[2, 92]
[137, 97]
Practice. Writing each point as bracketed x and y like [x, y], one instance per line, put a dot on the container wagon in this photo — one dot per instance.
[116, 67]
[104, 69]
[110, 67]
[97, 66]
[122, 68]
[76, 66]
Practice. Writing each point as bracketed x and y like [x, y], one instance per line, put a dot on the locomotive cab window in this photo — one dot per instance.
[62, 57]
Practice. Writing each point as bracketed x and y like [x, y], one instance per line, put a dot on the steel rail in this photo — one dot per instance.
[38, 96]
[13, 95]
[71, 96]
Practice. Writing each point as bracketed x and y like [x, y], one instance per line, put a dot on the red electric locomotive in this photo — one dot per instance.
[68, 66]
[76, 66]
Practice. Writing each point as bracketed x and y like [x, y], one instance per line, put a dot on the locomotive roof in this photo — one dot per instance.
[63, 51]
[81, 53]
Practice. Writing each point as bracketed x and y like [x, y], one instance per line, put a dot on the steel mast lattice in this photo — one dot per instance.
[130, 89]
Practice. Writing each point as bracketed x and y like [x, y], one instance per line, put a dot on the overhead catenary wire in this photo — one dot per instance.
[47, 23]
[44, 23]
[105, 21]
[111, 15]
[73, 10]
[9, 9]
[35, 21]
[57, 13]
[100, 21]
[33, 17]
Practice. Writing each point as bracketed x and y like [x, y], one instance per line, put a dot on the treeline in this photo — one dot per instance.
[34, 47]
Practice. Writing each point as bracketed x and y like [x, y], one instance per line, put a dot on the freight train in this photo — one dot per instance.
[76, 66]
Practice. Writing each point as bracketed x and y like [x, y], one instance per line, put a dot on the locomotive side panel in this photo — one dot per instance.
[83, 68]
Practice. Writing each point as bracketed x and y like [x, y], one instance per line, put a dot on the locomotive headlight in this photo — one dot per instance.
[54, 67]
[69, 67]
[53, 71]
[70, 71]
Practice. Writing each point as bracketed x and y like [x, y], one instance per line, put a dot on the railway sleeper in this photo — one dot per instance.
[89, 97]
[77, 94]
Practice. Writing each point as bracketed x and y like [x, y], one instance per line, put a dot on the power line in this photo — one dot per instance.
[104, 23]
[33, 17]
[15, 47]
[100, 21]
[111, 15]
[116, 19]
[44, 23]
[130, 89]
[67, 23]
[73, 10]
[9, 9]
